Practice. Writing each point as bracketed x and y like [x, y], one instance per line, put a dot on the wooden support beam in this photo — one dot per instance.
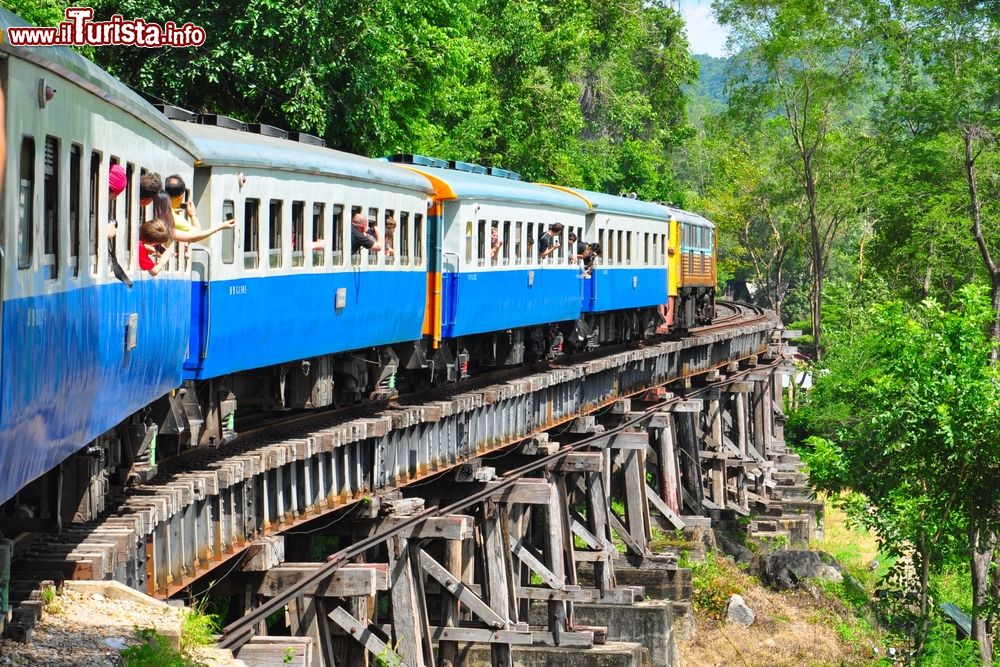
[481, 636]
[664, 509]
[533, 560]
[364, 636]
[498, 576]
[348, 581]
[532, 492]
[687, 405]
[407, 621]
[460, 591]
[581, 462]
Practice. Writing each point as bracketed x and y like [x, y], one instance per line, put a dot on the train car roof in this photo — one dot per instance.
[453, 184]
[69, 64]
[687, 216]
[600, 202]
[222, 146]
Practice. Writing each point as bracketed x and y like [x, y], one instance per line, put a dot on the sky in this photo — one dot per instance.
[704, 34]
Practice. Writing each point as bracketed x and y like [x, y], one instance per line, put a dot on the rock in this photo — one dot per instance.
[738, 612]
[741, 555]
[97, 597]
[117, 643]
[828, 573]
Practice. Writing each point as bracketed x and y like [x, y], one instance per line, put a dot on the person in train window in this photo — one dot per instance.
[590, 252]
[116, 185]
[550, 240]
[359, 239]
[495, 244]
[185, 218]
[154, 254]
[390, 230]
[576, 248]
[149, 184]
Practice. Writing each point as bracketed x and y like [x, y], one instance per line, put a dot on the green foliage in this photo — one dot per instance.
[943, 649]
[713, 582]
[825, 463]
[198, 628]
[153, 650]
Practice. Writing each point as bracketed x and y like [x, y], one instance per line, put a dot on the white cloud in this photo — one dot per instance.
[704, 34]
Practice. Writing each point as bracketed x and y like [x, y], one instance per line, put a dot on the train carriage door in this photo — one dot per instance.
[201, 272]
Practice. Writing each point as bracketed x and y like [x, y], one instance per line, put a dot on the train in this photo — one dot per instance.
[101, 380]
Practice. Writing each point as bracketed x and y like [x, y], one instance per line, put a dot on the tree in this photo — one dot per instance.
[804, 61]
[910, 409]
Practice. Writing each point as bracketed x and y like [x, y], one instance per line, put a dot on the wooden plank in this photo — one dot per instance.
[533, 560]
[363, 635]
[664, 509]
[458, 589]
[498, 576]
[548, 594]
[597, 518]
[344, 582]
[688, 405]
[582, 462]
[482, 636]
[522, 491]
[581, 531]
[623, 533]
[405, 613]
[630, 440]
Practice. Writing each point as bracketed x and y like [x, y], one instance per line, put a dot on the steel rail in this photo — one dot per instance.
[237, 633]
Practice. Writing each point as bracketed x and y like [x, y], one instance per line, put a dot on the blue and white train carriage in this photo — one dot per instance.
[278, 301]
[80, 351]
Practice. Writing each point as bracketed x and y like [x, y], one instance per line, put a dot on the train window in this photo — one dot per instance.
[75, 194]
[298, 232]
[275, 233]
[518, 236]
[404, 238]
[337, 250]
[628, 248]
[621, 252]
[124, 246]
[656, 256]
[251, 234]
[662, 257]
[418, 238]
[228, 236]
[505, 249]
[600, 241]
[609, 250]
[355, 256]
[95, 193]
[319, 235]
[481, 243]
[112, 201]
[529, 255]
[389, 243]
[645, 248]
[372, 222]
[50, 210]
[468, 243]
[26, 203]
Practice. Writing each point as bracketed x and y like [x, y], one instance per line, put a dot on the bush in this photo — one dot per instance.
[712, 584]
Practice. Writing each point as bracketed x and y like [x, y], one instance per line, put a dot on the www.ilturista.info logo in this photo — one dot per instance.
[80, 30]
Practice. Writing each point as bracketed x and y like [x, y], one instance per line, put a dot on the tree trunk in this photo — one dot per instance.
[981, 547]
[924, 576]
[816, 245]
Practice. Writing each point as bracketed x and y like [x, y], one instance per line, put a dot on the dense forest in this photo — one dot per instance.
[847, 151]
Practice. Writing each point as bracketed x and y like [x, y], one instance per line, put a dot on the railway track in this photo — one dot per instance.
[205, 507]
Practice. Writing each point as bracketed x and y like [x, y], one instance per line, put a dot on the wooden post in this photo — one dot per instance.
[718, 465]
[407, 616]
[497, 574]
[669, 473]
[448, 651]
[553, 538]
[636, 507]
[690, 461]
[597, 518]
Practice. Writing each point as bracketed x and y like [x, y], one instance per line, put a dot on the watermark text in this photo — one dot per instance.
[79, 29]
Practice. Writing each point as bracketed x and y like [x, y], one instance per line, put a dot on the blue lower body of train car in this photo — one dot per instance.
[249, 323]
[496, 300]
[76, 363]
[621, 288]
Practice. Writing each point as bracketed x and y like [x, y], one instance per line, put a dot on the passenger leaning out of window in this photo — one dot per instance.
[590, 252]
[550, 240]
[495, 244]
[117, 181]
[361, 239]
[155, 239]
[576, 248]
[185, 218]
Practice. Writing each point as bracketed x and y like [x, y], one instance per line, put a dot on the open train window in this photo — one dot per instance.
[662, 257]
[481, 243]
[505, 238]
[389, 230]
[50, 210]
[319, 235]
[621, 242]
[372, 223]
[274, 233]
[124, 246]
[337, 252]
[251, 234]
[418, 238]
[645, 248]
[404, 238]
[95, 198]
[529, 255]
[609, 249]
[75, 194]
[228, 236]
[298, 232]
[518, 240]
[26, 203]
[628, 248]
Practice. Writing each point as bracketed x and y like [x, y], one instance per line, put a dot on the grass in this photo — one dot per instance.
[153, 650]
